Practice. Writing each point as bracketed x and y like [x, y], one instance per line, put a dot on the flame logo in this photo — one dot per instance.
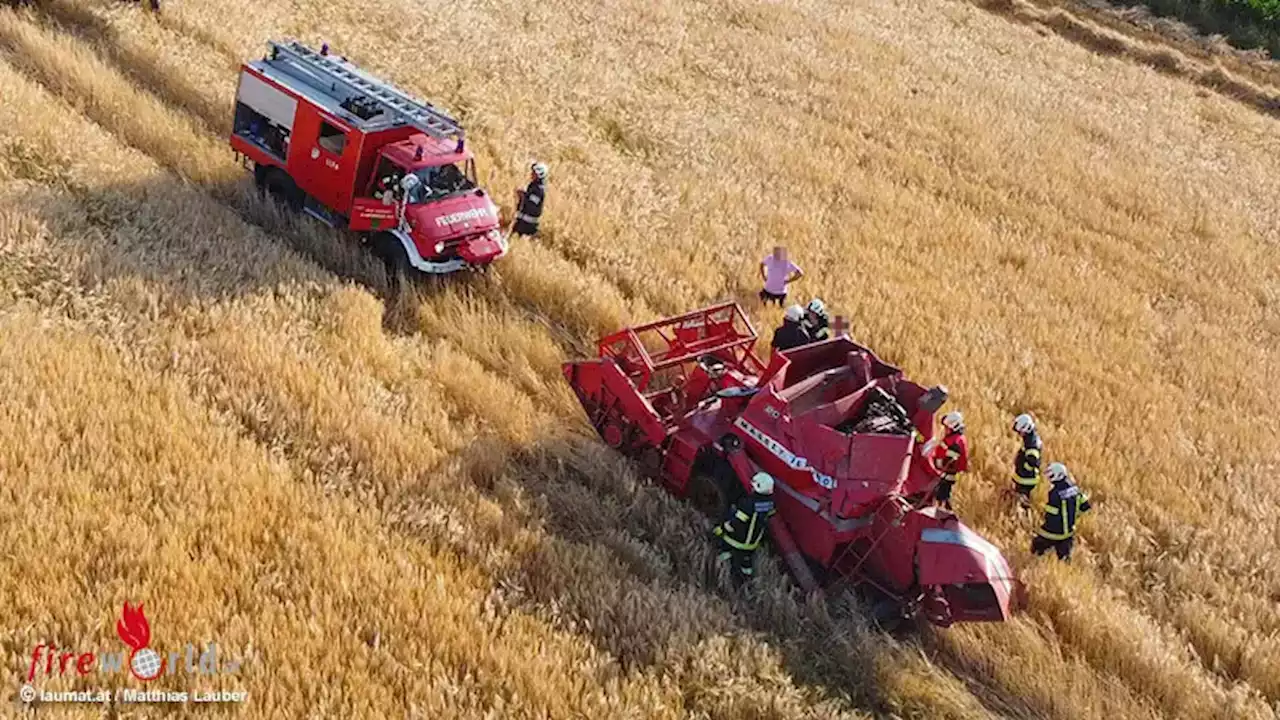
[132, 627]
[135, 631]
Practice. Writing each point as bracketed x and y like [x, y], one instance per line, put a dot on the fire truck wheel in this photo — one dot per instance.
[713, 490]
[279, 185]
[887, 615]
[707, 496]
[387, 248]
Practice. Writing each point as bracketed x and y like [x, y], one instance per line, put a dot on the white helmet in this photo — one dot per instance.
[953, 421]
[540, 170]
[1024, 424]
[795, 313]
[816, 307]
[1057, 473]
[762, 482]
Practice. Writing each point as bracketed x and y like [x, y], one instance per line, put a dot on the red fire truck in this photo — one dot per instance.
[329, 139]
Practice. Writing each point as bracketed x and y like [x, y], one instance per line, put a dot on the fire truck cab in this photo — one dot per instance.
[328, 139]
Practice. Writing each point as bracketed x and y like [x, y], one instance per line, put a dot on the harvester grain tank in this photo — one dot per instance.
[841, 431]
[333, 141]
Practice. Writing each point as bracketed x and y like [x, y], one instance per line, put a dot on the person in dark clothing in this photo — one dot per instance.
[743, 529]
[1026, 464]
[791, 333]
[1066, 504]
[817, 325]
[529, 202]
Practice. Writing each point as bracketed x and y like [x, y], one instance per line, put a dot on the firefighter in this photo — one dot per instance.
[1026, 464]
[529, 202]
[389, 187]
[791, 332]
[950, 456]
[1066, 504]
[743, 529]
[817, 324]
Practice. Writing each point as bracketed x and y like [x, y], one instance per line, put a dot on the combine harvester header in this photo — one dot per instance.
[841, 432]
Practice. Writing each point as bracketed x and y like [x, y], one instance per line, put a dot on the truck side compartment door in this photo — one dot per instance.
[264, 115]
[322, 159]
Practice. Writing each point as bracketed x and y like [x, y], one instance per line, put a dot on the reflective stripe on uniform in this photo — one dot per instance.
[752, 540]
[526, 218]
[1068, 521]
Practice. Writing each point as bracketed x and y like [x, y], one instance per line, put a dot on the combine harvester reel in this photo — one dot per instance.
[842, 433]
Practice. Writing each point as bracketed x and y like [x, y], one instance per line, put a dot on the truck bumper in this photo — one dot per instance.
[482, 251]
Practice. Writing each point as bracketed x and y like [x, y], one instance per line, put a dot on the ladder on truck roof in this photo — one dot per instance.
[392, 102]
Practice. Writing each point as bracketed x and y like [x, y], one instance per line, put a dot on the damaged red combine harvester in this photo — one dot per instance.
[840, 431]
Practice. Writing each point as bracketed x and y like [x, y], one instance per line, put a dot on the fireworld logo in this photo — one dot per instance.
[144, 662]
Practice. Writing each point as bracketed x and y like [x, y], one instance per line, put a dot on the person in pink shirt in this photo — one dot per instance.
[777, 272]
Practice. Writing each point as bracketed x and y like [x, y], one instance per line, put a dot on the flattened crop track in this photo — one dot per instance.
[429, 501]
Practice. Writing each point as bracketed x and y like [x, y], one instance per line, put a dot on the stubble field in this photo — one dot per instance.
[394, 508]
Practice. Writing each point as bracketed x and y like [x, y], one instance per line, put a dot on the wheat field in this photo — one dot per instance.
[394, 508]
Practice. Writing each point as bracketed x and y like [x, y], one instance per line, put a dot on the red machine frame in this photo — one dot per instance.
[687, 398]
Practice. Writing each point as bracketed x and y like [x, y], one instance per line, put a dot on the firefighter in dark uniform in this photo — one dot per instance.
[1026, 464]
[741, 532]
[950, 456]
[529, 202]
[1066, 504]
[791, 332]
[816, 322]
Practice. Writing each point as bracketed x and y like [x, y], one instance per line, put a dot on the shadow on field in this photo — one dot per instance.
[202, 259]
[142, 68]
[621, 562]
[663, 591]
[637, 570]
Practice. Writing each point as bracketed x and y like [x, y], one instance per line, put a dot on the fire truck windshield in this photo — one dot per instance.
[439, 181]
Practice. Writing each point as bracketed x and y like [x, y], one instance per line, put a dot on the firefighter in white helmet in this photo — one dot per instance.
[1026, 464]
[790, 333]
[529, 202]
[743, 529]
[817, 324]
[950, 456]
[1066, 504]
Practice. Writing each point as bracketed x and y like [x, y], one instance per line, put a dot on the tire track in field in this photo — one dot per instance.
[214, 381]
[657, 606]
[578, 301]
[142, 63]
[214, 375]
[1162, 56]
[146, 68]
[249, 413]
